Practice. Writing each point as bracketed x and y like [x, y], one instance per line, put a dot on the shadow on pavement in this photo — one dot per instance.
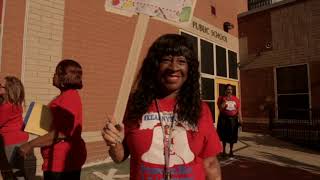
[252, 169]
[290, 161]
[267, 140]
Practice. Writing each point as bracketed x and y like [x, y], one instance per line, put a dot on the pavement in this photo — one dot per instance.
[263, 157]
[257, 157]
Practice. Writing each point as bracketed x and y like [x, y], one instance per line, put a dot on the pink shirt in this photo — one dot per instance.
[11, 124]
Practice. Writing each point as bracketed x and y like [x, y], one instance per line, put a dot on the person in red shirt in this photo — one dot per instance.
[228, 122]
[11, 134]
[168, 131]
[63, 150]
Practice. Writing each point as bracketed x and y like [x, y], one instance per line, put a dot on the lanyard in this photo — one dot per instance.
[167, 140]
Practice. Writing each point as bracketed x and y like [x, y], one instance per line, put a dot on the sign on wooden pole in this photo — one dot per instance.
[175, 11]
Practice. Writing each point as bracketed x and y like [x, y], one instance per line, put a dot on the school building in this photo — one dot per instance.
[279, 67]
[37, 34]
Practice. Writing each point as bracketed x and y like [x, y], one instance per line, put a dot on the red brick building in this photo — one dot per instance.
[280, 62]
[36, 34]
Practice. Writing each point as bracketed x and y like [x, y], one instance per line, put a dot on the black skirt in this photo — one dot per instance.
[228, 128]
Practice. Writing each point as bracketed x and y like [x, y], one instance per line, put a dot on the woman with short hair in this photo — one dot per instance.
[63, 150]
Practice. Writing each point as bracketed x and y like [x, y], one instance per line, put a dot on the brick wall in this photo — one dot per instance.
[295, 40]
[12, 39]
[42, 51]
[224, 12]
[100, 41]
[155, 29]
[257, 87]
[43, 48]
[257, 29]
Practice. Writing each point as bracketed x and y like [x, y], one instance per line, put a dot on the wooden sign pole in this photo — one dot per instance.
[131, 66]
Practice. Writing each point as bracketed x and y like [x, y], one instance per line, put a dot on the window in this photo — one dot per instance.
[207, 64]
[193, 39]
[213, 7]
[206, 58]
[207, 88]
[233, 65]
[214, 61]
[207, 93]
[293, 92]
[221, 61]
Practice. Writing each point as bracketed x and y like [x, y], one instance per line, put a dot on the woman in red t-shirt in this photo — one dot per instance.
[11, 134]
[169, 132]
[63, 150]
[228, 123]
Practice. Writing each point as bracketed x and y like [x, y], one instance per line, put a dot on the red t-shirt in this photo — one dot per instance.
[11, 124]
[189, 146]
[70, 154]
[232, 105]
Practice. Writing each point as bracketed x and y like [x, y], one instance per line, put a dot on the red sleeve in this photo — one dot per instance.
[212, 145]
[4, 114]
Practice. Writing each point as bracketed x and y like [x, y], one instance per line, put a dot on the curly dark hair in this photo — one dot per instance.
[146, 86]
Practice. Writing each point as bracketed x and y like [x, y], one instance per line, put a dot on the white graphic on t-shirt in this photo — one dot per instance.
[180, 152]
[231, 105]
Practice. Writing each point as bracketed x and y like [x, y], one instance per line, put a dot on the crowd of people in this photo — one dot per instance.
[167, 130]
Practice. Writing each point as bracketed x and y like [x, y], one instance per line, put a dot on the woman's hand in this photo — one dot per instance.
[25, 149]
[112, 133]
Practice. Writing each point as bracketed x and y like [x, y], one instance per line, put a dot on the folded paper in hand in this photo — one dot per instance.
[38, 119]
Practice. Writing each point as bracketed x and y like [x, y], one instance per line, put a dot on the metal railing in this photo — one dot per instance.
[304, 130]
[252, 4]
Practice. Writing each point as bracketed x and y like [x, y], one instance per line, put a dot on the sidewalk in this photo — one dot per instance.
[263, 157]
[257, 157]
[269, 149]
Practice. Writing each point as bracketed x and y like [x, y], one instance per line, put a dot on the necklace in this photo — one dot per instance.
[167, 139]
